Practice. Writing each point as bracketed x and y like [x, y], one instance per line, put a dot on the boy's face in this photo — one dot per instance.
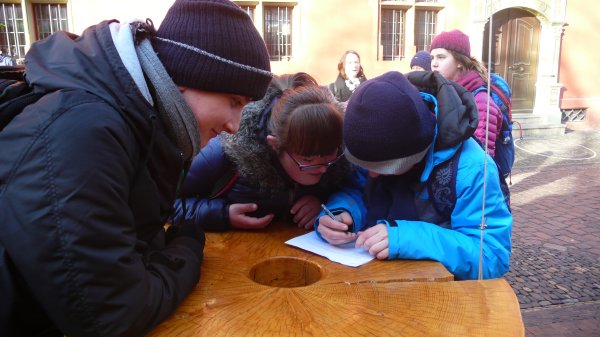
[214, 112]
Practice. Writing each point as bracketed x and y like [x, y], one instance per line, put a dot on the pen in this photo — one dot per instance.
[328, 212]
[350, 228]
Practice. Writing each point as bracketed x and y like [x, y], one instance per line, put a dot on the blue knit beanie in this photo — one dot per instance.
[387, 126]
[422, 59]
[213, 45]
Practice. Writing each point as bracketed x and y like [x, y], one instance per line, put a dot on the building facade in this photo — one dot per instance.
[530, 42]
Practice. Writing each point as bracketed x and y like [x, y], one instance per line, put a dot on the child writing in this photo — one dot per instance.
[391, 130]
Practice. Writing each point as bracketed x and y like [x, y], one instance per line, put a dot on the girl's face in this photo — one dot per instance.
[443, 62]
[214, 112]
[352, 65]
[292, 164]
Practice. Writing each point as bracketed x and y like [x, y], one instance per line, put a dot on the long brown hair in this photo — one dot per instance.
[342, 65]
[306, 119]
[470, 63]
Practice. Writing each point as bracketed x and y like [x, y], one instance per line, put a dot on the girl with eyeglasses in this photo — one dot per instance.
[283, 163]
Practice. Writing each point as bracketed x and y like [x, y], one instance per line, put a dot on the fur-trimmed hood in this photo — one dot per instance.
[257, 162]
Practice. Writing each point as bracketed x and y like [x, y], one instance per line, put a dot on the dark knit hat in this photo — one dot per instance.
[454, 40]
[387, 126]
[213, 45]
[422, 59]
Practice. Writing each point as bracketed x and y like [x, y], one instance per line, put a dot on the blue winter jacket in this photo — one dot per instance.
[454, 242]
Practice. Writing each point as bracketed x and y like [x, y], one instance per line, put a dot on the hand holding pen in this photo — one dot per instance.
[336, 229]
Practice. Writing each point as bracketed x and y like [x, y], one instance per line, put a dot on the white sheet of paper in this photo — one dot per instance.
[345, 254]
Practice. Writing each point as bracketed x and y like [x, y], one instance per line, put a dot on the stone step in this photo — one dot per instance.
[527, 125]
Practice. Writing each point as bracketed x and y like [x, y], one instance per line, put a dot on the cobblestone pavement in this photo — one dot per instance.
[555, 265]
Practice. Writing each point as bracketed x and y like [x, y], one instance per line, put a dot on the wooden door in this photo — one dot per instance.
[514, 54]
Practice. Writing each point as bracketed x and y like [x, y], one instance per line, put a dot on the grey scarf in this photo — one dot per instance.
[174, 112]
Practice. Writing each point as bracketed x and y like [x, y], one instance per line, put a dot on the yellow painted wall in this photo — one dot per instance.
[329, 27]
[579, 70]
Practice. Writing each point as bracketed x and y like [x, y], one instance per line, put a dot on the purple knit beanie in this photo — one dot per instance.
[422, 59]
[213, 45]
[454, 40]
[387, 126]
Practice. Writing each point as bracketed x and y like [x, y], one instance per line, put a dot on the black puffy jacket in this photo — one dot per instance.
[83, 199]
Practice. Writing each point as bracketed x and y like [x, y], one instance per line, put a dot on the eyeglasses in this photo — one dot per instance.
[306, 167]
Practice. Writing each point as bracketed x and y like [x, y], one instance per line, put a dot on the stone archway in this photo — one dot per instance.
[545, 117]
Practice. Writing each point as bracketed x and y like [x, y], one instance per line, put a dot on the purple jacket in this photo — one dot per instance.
[471, 81]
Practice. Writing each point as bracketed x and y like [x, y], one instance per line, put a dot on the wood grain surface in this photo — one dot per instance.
[253, 284]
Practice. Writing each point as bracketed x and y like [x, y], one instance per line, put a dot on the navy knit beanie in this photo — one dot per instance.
[213, 45]
[387, 126]
[454, 40]
[422, 59]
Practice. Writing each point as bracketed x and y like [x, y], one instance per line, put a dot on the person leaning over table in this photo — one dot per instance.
[412, 157]
[285, 161]
[89, 172]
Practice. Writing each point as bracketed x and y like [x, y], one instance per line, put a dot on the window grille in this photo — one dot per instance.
[392, 33]
[278, 32]
[573, 115]
[50, 18]
[425, 24]
[12, 30]
[249, 10]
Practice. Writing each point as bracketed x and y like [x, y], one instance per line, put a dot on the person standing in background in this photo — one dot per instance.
[451, 57]
[350, 76]
[421, 61]
[7, 60]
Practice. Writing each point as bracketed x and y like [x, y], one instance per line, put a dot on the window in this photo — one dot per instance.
[392, 33]
[425, 23]
[50, 18]
[278, 32]
[12, 30]
[249, 10]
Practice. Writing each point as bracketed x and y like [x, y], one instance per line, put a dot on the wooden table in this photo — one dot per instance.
[253, 284]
